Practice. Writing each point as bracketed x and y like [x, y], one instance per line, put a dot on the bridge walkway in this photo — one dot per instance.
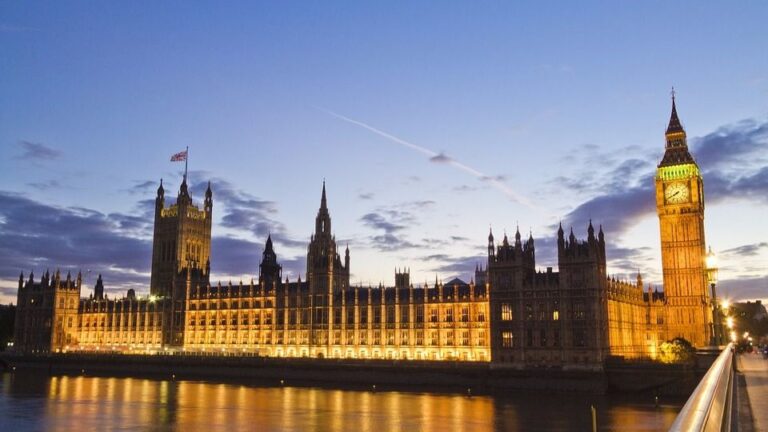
[755, 370]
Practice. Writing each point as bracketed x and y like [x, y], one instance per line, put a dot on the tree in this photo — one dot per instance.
[677, 351]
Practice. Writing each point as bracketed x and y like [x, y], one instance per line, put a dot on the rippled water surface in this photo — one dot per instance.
[66, 403]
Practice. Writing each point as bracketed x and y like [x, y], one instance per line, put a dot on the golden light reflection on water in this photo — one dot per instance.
[93, 403]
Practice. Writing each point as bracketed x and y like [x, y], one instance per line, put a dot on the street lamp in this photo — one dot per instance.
[711, 264]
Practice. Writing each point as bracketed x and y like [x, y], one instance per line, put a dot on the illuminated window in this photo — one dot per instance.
[465, 314]
[433, 315]
[556, 315]
[507, 339]
[481, 314]
[506, 312]
[449, 314]
[465, 338]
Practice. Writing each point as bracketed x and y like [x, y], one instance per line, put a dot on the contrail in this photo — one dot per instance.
[440, 157]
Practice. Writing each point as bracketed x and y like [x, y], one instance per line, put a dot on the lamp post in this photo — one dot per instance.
[717, 331]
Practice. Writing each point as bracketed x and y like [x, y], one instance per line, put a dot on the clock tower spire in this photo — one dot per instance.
[680, 206]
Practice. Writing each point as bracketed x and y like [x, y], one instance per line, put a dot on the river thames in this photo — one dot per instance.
[30, 402]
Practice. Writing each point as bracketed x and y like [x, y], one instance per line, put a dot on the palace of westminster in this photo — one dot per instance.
[508, 314]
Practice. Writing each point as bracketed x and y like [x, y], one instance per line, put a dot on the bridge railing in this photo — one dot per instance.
[709, 407]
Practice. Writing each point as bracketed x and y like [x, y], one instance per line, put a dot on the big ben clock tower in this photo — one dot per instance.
[680, 205]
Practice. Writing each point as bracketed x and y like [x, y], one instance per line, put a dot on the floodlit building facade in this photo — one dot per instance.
[509, 313]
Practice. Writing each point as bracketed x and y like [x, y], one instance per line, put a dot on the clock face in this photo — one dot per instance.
[676, 193]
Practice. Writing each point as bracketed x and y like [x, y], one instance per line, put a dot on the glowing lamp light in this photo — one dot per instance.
[729, 323]
[711, 263]
[725, 304]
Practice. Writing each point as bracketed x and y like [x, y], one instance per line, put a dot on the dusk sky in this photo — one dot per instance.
[429, 121]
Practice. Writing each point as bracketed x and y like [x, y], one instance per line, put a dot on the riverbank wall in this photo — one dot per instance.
[469, 377]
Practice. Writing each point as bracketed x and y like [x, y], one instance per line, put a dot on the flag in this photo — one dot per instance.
[179, 157]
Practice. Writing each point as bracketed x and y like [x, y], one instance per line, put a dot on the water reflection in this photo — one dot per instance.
[62, 403]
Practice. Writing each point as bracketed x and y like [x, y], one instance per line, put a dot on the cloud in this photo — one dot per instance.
[37, 151]
[746, 250]
[143, 187]
[731, 144]
[463, 188]
[617, 210]
[243, 211]
[366, 196]
[747, 288]
[440, 158]
[461, 266]
[730, 159]
[433, 156]
[379, 222]
[391, 222]
[45, 185]
[36, 236]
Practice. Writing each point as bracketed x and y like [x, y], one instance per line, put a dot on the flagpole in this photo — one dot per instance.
[185, 164]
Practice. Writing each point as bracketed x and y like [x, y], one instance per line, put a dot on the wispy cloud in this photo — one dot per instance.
[442, 158]
[732, 158]
[245, 212]
[37, 151]
[45, 185]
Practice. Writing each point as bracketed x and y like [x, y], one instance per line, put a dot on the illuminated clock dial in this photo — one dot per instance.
[676, 193]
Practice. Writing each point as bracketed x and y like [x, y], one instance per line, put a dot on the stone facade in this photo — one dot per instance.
[680, 206]
[509, 314]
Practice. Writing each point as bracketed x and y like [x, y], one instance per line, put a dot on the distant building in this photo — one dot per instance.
[509, 313]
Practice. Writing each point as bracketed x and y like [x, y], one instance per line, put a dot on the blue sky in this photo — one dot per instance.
[560, 106]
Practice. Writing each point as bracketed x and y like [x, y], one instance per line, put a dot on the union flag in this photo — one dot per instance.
[179, 157]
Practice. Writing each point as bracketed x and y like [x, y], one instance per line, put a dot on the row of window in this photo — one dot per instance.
[542, 312]
[234, 305]
[542, 338]
[321, 338]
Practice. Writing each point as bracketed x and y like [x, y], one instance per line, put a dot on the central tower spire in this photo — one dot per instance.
[323, 202]
[323, 219]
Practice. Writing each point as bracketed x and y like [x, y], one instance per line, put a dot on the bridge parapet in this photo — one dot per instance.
[710, 406]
